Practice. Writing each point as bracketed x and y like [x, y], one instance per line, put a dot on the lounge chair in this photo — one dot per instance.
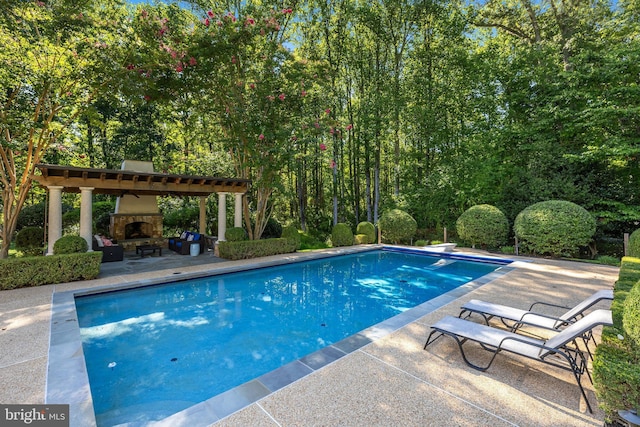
[560, 351]
[520, 317]
[515, 318]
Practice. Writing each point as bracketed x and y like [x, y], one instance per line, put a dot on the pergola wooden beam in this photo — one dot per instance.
[118, 182]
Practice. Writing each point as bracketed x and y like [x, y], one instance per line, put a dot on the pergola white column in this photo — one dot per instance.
[55, 216]
[237, 218]
[86, 221]
[203, 215]
[222, 216]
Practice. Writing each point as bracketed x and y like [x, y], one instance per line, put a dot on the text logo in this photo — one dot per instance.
[34, 415]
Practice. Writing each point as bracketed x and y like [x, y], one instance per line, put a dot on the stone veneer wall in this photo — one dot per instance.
[119, 221]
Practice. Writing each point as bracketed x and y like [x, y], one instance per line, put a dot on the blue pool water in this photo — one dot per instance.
[154, 351]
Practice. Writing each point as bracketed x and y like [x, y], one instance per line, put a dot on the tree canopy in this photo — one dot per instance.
[336, 110]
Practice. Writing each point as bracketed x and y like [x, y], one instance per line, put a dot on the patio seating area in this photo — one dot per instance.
[391, 381]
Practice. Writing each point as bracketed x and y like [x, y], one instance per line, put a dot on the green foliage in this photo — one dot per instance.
[310, 241]
[272, 230]
[369, 230]
[291, 232]
[71, 219]
[397, 225]
[31, 216]
[483, 225]
[248, 249]
[179, 219]
[631, 317]
[70, 244]
[421, 243]
[555, 227]
[36, 271]
[341, 235]
[634, 244]
[30, 241]
[235, 234]
[616, 363]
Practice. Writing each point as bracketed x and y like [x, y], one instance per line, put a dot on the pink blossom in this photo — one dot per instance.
[332, 165]
[174, 54]
[179, 67]
[303, 93]
[250, 21]
[261, 137]
[147, 98]
[82, 156]
[220, 24]
[252, 86]
[162, 31]
[211, 14]
[282, 96]
[233, 59]
[192, 61]
[206, 22]
[331, 131]
[349, 126]
[323, 147]
[144, 13]
[130, 67]
[317, 125]
[294, 138]
[287, 11]
[271, 98]
[328, 111]
[40, 3]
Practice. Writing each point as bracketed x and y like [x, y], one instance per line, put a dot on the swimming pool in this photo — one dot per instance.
[178, 370]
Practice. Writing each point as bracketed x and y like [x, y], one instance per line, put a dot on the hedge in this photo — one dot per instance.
[47, 270]
[248, 249]
[616, 363]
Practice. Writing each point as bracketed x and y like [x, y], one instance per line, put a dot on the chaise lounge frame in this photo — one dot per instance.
[495, 340]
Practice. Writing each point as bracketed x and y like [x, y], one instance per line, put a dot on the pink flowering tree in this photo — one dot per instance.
[245, 81]
[56, 57]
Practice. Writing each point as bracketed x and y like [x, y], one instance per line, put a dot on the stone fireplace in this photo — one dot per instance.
[136, 226]
[137, 219]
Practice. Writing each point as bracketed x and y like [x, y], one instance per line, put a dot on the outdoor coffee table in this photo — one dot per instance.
[148, 249]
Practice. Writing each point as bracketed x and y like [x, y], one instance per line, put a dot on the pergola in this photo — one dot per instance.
[87, 181]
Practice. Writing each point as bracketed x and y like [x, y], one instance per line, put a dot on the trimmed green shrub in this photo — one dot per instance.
[483, 225]
[235, 234]
[31, 216]
[255, 248]
[421, 243]
[361, 239]
[396, 225]
[631, 316]
[634, 244]
[186, 218]
[616, 363]
[555, 227]
[291, 232]
[70, 245]
[46, 270]
[368, 229]
[341, 235]
[30, 241]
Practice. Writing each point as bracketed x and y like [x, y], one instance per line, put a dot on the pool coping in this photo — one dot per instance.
[67, 380]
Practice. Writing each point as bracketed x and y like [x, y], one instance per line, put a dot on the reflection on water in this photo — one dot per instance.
[178, 344]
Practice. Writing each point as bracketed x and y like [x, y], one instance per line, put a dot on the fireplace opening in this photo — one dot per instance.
[138, 230]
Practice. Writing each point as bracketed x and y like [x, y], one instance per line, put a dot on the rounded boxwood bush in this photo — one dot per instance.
[631, 315]
[235, 234]
[634, 244]
[291, 233]
[30, 241]
[483, 225]
[341, 235]
[369, 230]
[555, 227]
[70, 245]
[396, 225]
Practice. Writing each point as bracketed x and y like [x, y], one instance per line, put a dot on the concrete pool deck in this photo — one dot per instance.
[390, 381]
